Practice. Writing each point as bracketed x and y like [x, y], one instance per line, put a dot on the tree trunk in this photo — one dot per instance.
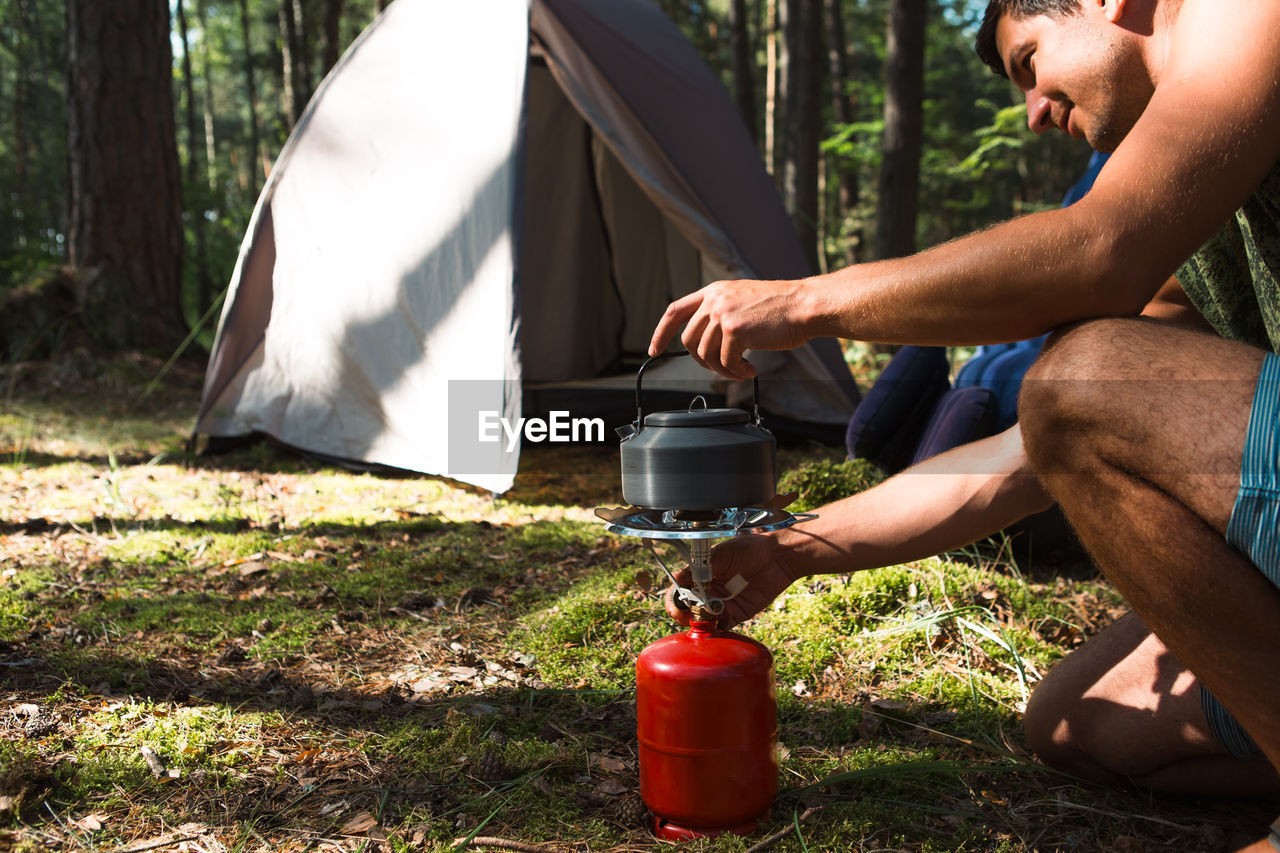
[204, 288]
[210, 141]
[382, 4]
[842, 108]
[803, 96]
[125, 230]
[770, 84]
[332, 33]
[288, 47]
[744, 89]
[20, 84]
[301, 56]
[256, 160]
[783, 40]
[903, 130]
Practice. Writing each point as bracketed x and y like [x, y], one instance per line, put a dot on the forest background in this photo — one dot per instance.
[135, 137]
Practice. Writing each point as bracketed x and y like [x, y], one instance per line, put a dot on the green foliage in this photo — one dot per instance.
[822, 481]
[592, 634]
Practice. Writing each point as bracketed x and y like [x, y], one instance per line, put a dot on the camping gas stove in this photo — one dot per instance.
[691, 533]
[705, 705]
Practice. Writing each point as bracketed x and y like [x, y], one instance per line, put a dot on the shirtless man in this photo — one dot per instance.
[1157, 437]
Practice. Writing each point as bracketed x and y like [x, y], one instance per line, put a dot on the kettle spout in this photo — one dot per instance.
[627, 431]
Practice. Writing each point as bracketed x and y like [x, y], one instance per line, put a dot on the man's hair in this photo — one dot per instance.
[985, 43]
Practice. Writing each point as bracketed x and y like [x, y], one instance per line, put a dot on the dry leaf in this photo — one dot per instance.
[332, 807]
[154, 764]
[612, 787]
[359, 825]
[462, 673]
[90, 823]
[426, 685]
[609, 764]
[254, 567]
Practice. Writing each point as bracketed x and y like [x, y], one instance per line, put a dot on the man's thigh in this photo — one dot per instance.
[1167, 405]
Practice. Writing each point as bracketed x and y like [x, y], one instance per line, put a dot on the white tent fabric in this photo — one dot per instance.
[482, 194]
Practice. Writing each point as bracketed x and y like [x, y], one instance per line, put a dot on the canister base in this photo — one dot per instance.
[670, 831]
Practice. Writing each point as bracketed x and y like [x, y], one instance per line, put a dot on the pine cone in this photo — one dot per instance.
[489, 767]
[631, 811]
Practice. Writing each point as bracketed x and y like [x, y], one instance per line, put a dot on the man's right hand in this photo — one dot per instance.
[726, 318]
[762, 563]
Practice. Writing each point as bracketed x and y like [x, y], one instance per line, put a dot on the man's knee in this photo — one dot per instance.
[1079, 735]
[1053, 726]
[1065, 392]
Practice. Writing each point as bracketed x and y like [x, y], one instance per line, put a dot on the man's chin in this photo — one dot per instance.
[1104, 142]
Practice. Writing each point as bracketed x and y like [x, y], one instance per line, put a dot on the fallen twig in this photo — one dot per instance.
[159, 842]
[783, 833]
[498, 844]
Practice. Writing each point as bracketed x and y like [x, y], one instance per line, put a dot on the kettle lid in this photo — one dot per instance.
[697, 418]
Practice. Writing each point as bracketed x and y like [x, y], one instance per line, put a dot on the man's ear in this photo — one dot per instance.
[1113, 9]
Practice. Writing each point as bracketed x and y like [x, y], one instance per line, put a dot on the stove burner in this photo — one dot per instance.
[699, 527]
[696, 524]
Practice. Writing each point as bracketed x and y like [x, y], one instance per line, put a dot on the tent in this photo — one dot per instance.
[482, 213]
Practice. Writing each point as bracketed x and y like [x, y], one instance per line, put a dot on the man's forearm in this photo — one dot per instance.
[989, 287]
[944, 503]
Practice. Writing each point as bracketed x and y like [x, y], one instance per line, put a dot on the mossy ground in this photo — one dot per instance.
[258, 652]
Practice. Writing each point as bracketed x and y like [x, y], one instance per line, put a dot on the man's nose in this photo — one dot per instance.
[1039, 112]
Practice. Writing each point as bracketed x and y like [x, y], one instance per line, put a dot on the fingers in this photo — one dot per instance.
[704, 335]
[672, 319]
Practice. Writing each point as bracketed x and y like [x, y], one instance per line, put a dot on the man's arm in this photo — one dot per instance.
[1207, 138]
[946, 502]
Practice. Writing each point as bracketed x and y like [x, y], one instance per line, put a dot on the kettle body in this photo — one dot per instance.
[700, 459]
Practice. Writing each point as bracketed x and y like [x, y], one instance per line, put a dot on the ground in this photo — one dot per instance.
[260, 652]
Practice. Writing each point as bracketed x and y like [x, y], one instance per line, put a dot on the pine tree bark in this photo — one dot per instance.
[196, 217]
[842, 108]
[125, 229]
[20, 84]
[206, 73]
[301, 56]
[332, 33]
[744, 90]
[903, 130]
[288, 47]
[804, 123]
[251, 90]
[771, 85]
[783, 42]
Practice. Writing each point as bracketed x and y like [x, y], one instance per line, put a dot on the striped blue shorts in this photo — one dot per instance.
[1254, 528]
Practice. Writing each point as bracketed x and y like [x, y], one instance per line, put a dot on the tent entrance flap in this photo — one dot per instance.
[600, 262]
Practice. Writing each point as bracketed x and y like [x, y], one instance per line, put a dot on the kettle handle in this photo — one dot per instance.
[755, 388]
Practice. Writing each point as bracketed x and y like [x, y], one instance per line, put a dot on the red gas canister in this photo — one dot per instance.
[707, 725]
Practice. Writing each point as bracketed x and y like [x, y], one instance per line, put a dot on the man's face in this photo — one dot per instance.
[1080, 73]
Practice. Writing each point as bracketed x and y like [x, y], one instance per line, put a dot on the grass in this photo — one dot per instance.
[317, 659]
